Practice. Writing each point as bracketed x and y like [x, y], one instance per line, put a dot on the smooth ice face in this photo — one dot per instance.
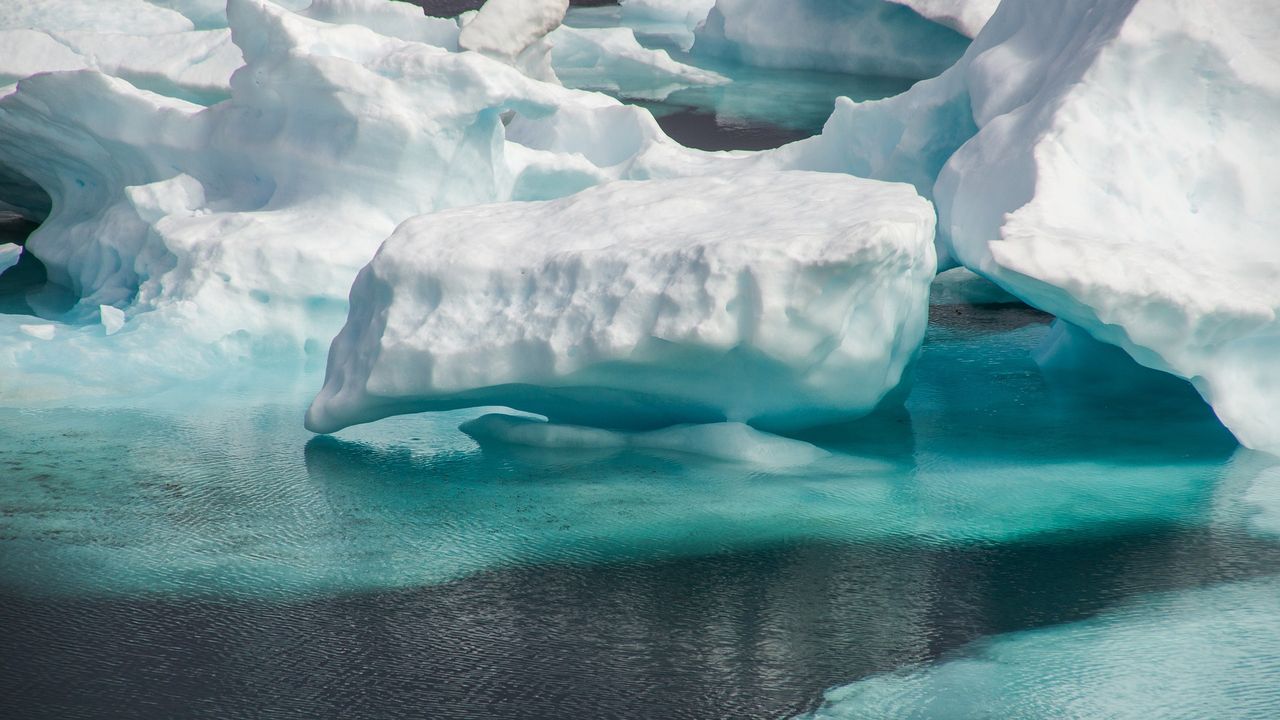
[869, 37]
[194, 66]
[777, 299]
[964, 16]
[1125, 196]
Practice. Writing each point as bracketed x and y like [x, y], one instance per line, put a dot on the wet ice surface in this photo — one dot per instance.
[762, 108]
[209, 558]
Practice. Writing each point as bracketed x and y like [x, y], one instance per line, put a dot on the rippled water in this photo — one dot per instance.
[1006, 541]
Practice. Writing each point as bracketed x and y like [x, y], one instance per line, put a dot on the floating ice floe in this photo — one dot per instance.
[782, 300]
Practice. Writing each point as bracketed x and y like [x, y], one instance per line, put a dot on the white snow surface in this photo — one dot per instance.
[966, 17]
[1124, 180]
[781, 300]
[870, 37]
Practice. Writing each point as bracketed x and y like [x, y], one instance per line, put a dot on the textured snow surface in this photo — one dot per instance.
[777, 299]
[856, 36]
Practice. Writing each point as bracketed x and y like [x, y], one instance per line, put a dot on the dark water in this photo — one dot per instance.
[753, 634]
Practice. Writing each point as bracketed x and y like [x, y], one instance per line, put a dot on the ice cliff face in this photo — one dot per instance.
[777, 299]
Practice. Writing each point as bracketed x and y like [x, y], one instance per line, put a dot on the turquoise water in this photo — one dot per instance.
[998, 548]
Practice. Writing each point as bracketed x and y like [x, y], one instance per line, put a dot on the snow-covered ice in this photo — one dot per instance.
[1123, 178]
[777, 299]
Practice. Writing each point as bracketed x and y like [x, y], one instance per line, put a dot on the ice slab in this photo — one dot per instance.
[781, 300]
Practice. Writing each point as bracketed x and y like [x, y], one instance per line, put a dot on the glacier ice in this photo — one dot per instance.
[869, 37]
[781, 300]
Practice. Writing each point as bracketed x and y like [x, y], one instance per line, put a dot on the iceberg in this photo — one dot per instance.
[1107, 189]
[779, 300]
[1073, 165]
[868, 37]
